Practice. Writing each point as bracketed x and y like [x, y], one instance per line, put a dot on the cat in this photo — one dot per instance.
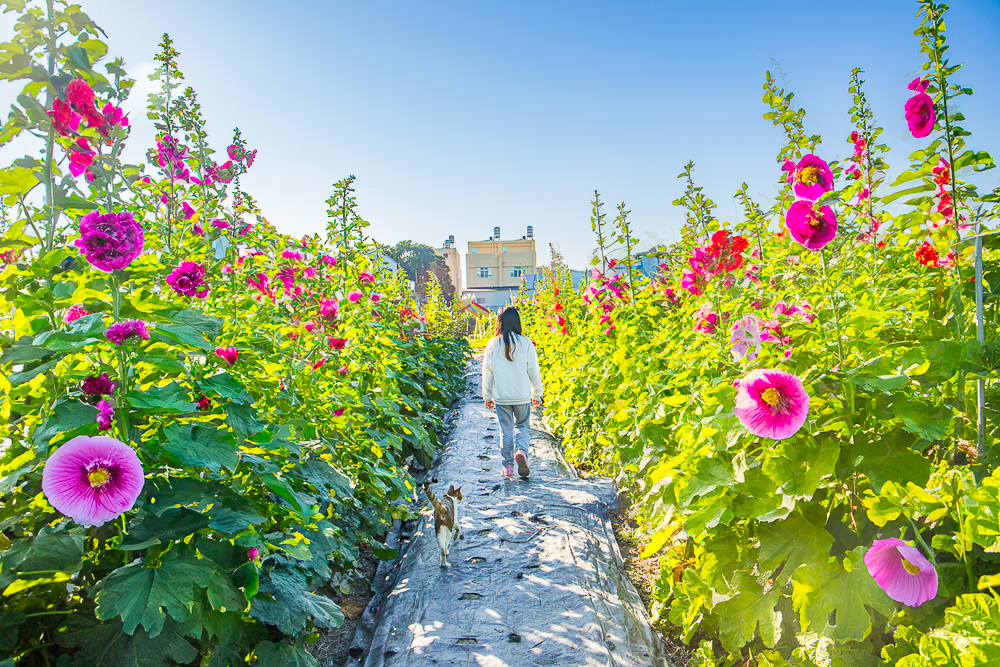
[445, 518]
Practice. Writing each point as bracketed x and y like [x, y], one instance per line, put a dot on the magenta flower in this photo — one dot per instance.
[354, 295]
[220, 224]
[119, 332]
[811, 227]
[366, 277]
[328, 260]
[189, 279]
[902, 572]
[227, 354]
[114, 115]
[98, 385]
[376, 297]
[338, 343]
[74, 312]
[811, 177]
[110, 241]
[772, 403]
[292, 255]
[920, 116]
[338, 412]
[105, 416]
[343, 370]
[80, 157]
[92, 479]
[746, 334]
[329, 309]
[253, 553]
[64, 119]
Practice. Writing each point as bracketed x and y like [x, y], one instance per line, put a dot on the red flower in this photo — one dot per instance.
[927, 255]
[228, 354]
[204, 402]
[64, 119]
[338, 343]
[557, 307]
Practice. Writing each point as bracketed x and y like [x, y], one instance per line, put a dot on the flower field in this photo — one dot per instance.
[206, 418]
[804, 405]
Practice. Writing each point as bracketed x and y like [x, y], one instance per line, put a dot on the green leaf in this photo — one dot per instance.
[173, 524]
[24, 350]
[68, 415]
[227, 386]
[78, 56]
[293, 603]
[183, 334]
[796, 541]
[140, 595]
[270, 654]
[844, 587]
[202, 446]
[800, 464]
[108, 645]
[925, 420]
[749, 611]
[169, 398]
[382, 552]
[47, 552]
[200, 321]
[29, 374]
[243, 419]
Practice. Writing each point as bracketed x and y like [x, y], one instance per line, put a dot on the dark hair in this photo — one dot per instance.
[508, 324]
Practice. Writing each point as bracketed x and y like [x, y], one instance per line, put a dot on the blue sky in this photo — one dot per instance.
[458, 116]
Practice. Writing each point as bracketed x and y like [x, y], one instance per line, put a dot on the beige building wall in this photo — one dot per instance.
[498, 263]
[454, 261]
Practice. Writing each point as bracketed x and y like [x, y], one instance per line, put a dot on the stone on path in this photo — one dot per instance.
[537, 578]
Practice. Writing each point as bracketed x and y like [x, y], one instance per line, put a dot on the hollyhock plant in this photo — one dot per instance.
[204, 402]
[189, 279]
[110, 241]
[772, 403]
[927, 254]
[354, 295]
[811, 177]
[119, 332]
[366, 277]
[97, 385]
[188, 210]
[74, 312]
[253, 553]
[329, 309]
[92, 479]
[64, 119]
[811, 226]
[902, 572]
[919, 110]
[338, 343]
[745, 334]
[227, 354]
[105, 416]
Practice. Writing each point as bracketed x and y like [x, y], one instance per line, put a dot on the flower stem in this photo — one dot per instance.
[836, 309]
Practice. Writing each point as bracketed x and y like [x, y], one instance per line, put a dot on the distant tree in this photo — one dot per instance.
[413, 258]
[443, 274]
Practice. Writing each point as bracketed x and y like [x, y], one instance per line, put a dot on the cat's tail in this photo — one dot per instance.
[438, 508]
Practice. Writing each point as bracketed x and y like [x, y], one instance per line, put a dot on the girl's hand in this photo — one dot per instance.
[535, 402]
[489, 404]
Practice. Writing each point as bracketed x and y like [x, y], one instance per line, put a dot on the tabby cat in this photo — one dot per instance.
[445, 518]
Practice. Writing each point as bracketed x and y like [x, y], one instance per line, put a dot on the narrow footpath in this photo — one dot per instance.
[536, 578]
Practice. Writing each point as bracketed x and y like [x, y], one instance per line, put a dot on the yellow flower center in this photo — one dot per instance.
[809, 175]
[770, 396]
[98, 477]
[910, 567]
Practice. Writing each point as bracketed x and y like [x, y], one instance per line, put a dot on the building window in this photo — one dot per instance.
[506, 249]
[480, 300]
[516, 272]
[484, 272]
[474, 250]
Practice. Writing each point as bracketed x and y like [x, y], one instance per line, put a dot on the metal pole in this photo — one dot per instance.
[981, 337]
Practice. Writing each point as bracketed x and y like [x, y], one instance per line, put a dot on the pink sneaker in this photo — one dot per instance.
[508, 471]
[522, 464]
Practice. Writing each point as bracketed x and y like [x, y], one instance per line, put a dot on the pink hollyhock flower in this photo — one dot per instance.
[343, 370]
[329, 309]
[235, 151]
[811, 227]
[746, 334]
[119, 332]
[927, 254]
[366, 277]
[772, 403]
[92, 480]
[227, 354]
[64, 119]
[97, 385]
[338, 412]
[319, 363]
[105, 416]
[244, 230]
[74, 312]
[221, 224]
[919, 110]
[286, 276]
[309, 326]
[811, 177]
[189, 279]
[188, 210]
[852, 171]
[862, 196]
[706, 320]
[354, 295]
[204, 402]
[376, 297]
[291, 254]
[198, 230]
[338, 343]
[250, 157]
[80, 157]
[261, 284]
[81, 97]
[902, 572]
[253, 553]
[560, 320]
[610, 329]
[114, 116]
[110, 241]
[692, 282]
[328, 260]
[309, 272]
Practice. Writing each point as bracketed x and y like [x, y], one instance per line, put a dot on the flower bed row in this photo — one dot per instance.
[805, 419]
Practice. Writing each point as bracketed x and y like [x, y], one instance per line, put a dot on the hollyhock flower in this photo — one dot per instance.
[309, 326]
[366, 277]
[261, 284]
[286, 276]
[227, 354]
[221, 224]
[338, 412]
[610, 329]
[189, 279]
[74, 312]
[375, 297]
[902, 572]
[105, 416]
[97, 385]
[198, 230]
[557, 307]
[253, 553]
[944, 206]
[810, 226]
[354, 295]
[235, 151]
[188, 210]
[291, 254]
[328, 260]
[560, 320]
[706, 319]
[772, 403]
[919, 110]
[329, 309]
[92, 480]
[80, 157]
[745, 334]
[948, 260]
[81, 97]
[119, 332]
[114, 116]
[343, 370]
[244, 230]
[811, 177]
[338, 343]
[319, 363]
[852, 171]
[927, 254]
[226, 172]
[862, 196]
[110, 241]
[692, 282]
[64, 119]
[942, 172]
[204, 402]
[250, 157]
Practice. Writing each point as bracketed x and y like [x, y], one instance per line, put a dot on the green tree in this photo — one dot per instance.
[413, 258]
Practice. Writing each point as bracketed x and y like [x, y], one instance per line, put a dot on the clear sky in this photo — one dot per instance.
[458, 116]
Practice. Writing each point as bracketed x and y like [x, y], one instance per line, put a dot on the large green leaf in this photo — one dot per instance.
[68, 415]
[293, 603]
[800, 464]
[227, 386]
[243, 419]
[202, 446]
[181, 333]
[750, 610]
[796, 541]
[108, 645]
[24, 350]
[48, 552]
[844, 587]
[82, 332]
[270, 654]
[199, 321]
[172, 397]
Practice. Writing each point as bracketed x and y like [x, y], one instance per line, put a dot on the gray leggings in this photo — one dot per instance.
[514, 430]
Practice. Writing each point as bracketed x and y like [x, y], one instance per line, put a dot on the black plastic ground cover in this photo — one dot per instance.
[536, 579]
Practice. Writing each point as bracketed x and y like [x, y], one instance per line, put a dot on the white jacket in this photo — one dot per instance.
[511, 382]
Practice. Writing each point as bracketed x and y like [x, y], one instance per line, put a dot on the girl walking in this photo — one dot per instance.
[512, 383]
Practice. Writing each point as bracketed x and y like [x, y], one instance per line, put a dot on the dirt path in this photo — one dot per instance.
[536, 579]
